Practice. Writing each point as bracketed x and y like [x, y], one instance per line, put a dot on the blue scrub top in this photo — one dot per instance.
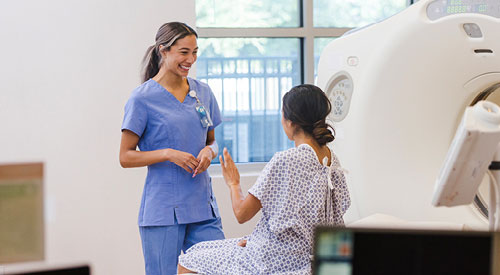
[161, 121]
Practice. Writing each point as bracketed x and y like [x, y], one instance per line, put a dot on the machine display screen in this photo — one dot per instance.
[350, 251]
[442, 8]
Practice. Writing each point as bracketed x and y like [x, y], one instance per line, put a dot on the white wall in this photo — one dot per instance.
[67, 68]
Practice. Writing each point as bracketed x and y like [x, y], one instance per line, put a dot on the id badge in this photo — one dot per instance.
[204, 115]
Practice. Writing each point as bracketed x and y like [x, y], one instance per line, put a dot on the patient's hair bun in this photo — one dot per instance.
[321, 133]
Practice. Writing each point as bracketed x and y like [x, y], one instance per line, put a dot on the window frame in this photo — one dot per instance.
[306, 33]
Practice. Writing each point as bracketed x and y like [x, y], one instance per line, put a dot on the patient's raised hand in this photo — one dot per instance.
[229, 170]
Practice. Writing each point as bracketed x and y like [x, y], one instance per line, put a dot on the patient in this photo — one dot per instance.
[298, 189]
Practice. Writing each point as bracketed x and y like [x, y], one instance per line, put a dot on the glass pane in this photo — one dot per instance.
[249, 77]
[247, 14]
[319, 45]
[354, 13]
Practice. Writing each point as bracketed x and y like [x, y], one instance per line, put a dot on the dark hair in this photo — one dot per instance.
[307, 106]
[166, 36]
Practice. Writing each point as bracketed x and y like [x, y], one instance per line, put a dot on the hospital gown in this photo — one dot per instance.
[295, 196]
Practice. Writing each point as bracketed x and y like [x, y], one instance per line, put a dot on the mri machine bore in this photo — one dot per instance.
[399, 89]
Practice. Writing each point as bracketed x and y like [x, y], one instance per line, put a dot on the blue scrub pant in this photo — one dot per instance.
[162, 245]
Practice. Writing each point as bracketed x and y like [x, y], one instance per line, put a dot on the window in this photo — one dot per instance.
[248, 77]
[247, 14]
[252, 52]
[354, 13]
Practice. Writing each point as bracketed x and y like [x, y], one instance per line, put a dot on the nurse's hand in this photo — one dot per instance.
[204, 157]
[229, 170]
[185, 160]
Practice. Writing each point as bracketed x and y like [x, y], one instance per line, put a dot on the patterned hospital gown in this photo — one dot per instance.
[295, 196]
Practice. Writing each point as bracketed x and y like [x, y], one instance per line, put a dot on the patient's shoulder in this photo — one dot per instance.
[279, 161]
[284, 156]
[289, 158]
[302, 153]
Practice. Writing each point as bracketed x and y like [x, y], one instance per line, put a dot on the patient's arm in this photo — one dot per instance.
[244, 208]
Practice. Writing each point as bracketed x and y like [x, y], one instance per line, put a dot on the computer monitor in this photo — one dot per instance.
[43, 268]
[351, 251]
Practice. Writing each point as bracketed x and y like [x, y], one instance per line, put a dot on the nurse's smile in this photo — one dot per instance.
[185, 68]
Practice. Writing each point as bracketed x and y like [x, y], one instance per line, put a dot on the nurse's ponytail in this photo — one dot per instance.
[166, 36]
[307, 106]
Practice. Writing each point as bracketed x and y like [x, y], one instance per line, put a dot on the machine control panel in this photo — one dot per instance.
[339, 91]
[441, 8]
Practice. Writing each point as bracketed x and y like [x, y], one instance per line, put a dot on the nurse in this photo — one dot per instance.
[171, 118]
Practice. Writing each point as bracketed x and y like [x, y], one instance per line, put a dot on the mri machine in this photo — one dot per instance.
[399, 89]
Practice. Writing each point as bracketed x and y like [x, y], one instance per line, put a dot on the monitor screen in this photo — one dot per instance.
[45, 268]
[346, 251]
[75, 270]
